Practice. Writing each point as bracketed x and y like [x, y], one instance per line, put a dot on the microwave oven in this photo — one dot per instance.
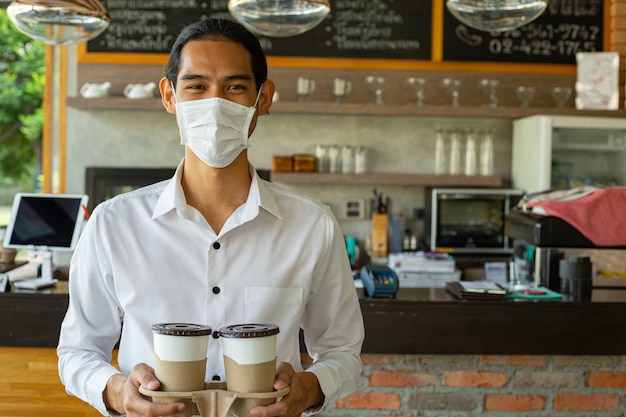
[469, 220]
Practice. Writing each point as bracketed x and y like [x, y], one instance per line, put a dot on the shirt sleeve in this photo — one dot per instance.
[333, 323]
[89, 330]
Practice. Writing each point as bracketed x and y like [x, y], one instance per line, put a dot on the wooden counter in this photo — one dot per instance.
[419, 321]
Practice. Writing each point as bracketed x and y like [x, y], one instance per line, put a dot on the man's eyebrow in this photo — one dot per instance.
[188, 77]
[243, 77]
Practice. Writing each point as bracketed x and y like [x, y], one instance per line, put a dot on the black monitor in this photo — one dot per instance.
[42, 223]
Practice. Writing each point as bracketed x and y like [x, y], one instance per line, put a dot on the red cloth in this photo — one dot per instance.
[599, 216]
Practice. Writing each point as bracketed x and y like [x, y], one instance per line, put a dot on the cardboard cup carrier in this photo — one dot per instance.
[249, 361]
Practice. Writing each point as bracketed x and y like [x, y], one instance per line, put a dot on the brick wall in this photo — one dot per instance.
[474, 385]
[617, 37]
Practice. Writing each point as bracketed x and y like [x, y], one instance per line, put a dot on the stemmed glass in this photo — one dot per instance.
[489, 88]
[418, 85]
[560, 95]
[376, 86]
[525, 95]
[451, 85]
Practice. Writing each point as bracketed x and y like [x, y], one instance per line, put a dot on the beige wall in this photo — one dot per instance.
[401, 144]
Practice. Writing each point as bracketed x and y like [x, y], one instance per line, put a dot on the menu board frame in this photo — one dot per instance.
[435, 61]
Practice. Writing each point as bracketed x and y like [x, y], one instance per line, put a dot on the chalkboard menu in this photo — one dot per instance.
[384, 29]
[566, 27]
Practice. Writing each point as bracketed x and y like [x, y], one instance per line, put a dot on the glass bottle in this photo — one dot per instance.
[486, 153]
[440, 156]
[455, 153]
[470, 153]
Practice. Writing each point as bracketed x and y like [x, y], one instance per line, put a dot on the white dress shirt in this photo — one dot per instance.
[147, 257]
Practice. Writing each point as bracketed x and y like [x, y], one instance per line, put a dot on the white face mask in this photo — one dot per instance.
[215, 129]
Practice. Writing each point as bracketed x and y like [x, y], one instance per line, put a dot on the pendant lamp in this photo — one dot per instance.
[496, 15]
[279, 18]
[59, 22]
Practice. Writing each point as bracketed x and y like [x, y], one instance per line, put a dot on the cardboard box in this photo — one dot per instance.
[380, 226]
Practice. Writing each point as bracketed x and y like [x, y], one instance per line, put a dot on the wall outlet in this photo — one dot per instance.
[354, 209]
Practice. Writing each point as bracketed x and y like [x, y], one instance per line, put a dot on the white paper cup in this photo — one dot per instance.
[180, 355]
[180, 342]
[249, 356]
[248, 344]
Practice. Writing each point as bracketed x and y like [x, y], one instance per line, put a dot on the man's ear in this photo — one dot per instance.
[265, 97]
[167, 95]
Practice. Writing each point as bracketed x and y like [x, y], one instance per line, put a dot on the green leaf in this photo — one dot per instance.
[22, 81]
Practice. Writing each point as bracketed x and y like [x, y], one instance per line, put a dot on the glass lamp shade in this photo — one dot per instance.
[496, 15]
[279, 18]
[58, 22]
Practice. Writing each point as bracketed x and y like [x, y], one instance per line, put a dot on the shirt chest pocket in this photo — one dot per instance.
[273, 305]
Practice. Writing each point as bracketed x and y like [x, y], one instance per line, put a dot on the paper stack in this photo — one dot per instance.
[423, 269]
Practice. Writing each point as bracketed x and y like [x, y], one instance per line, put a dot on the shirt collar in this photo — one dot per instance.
[173, 197]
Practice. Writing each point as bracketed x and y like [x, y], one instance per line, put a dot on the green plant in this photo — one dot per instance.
[21, 105]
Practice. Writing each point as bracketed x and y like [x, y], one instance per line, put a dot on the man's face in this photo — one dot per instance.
[210, 68]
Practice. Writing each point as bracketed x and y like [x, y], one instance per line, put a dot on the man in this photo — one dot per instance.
[215, 245]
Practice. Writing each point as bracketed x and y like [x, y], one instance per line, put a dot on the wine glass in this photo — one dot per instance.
[376, 86]
[418, 86]
[489, 88]
[525, 94]
[560, 95]
[451, 85]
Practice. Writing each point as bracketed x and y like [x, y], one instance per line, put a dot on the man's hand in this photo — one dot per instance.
[122, 394]
[304, 393]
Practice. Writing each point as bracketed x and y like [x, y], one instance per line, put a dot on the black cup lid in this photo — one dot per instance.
[248, 330]
[181, 329]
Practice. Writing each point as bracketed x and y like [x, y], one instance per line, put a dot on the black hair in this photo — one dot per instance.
[218, 29]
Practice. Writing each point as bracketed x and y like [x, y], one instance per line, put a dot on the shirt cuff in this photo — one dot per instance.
[98, 382]
[328, 386]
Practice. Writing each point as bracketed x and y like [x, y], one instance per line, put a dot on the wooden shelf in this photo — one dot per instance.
[429, 180]
[322, 107]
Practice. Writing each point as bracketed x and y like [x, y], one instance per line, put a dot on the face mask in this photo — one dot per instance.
[215, 129]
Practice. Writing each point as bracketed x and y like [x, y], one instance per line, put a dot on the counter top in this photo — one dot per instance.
[429, 321]
[418, 321]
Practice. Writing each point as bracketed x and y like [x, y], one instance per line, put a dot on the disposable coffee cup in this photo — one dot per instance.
[180, 355]
[249, 356]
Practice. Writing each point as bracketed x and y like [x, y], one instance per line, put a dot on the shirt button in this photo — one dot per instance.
[216, 290]
[216, 245]
[216, 334]
[216, 378]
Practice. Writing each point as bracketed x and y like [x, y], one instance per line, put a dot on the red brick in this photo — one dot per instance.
[585, 361]
[506, 402]
[458, 401]
[393, 415]
[474, 379]
[446, 361]
[618, 8]
[371, 359]
[546, 379]
[606, 379]
[402, 379]
[519, 360]
[586, 402]
[371, 400]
